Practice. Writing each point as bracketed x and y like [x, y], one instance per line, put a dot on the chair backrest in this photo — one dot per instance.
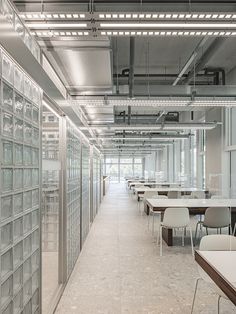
[149, 194]
[217, 197]
[187, 196]
[173, 194]
[198, 194]
[176, 217]
[215, 242]
[217, 217]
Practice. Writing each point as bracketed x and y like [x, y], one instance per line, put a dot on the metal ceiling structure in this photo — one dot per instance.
[137, 72]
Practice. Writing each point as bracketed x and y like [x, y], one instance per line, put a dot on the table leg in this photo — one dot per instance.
[233, 219]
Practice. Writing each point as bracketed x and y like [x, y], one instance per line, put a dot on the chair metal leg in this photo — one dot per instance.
[206, 230]
[160, 240]
[234, 229]
[218, 304]
[191, 238]
[195, 237]
[183, 237]
[194, 296]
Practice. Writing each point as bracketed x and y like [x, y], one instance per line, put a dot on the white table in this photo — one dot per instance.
[165, 191]
[221, 267]
[195, 206]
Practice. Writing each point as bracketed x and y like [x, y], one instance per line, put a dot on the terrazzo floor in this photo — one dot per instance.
[120, 270]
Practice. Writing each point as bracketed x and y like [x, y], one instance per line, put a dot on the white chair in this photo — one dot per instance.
[176, 218]
[155, 212]
[214, 242]
[198, 194]
[173, 194]
[148, 194]
[215, 218]
[142, 196]
[217, 197]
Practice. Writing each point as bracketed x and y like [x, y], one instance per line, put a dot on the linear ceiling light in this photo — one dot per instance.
[170, 25]
[55, 16]
[167, 16]
[59, 33]
[55, 25]
[167, 33]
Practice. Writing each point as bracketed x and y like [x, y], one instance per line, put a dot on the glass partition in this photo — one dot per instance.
[50, 207]
[85, 184]
[20, 189]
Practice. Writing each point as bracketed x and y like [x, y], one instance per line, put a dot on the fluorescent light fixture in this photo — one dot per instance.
[170, 25]
[148, 139]
[56, 25]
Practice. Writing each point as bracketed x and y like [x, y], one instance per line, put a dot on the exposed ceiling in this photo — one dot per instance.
[95, 65]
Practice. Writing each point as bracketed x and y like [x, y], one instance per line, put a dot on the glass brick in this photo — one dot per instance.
[19, 80]
[35, 280]
[27, 178]
[6, 208]
[7, 290]
[35, 240]
[27, 88]
[35, 261]
[18, 253]
[17, 229]
[18, 178]
[27, 291]
[35, 218]
[7, 66]
[27, 269]
[28, 110]
[19, 105]
[18, 154]
[35, 114]
[35, 156]
[19, 28]
[35, 300]
[7, 153]
[6, 263]
[7, 124]
[6, 235]
[35, 177]
[8, 309]
[18, 279]
[28, 308]
[27, 246]
[35, 136]
[18, 203]
[7, 97]
[27, 155]
[7, 179]
[27, 223]
[27, 133]
[27, 200]
[35, 197]
[18, 130]
[18, 303]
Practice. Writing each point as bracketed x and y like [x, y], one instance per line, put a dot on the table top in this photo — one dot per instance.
[188, 202]
[220, 266]
[162, 189]
[154, 183]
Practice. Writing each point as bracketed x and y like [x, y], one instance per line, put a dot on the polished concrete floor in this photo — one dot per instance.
[120, 270]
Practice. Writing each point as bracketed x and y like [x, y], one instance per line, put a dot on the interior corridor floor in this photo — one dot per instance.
[120, 270]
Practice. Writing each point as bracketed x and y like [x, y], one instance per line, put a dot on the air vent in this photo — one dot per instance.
[172, 117]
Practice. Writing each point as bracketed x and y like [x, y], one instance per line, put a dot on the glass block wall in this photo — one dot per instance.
[96, 182]
[73, 152]
[20, 106]
[85, 180]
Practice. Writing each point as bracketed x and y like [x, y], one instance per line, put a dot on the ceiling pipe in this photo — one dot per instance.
[207, 55]
[190, 60]
[131, 74]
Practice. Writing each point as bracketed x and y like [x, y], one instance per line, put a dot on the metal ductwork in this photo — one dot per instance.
[217, 43]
